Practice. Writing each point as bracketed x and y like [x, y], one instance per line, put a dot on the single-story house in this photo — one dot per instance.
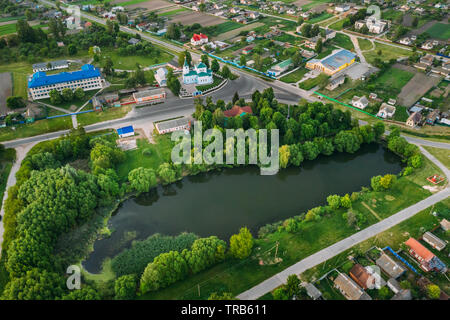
[434, 241]
[403, 295]
[362, 277]
[349, 289]
[125, 132]
[149, 96]
[161, 76]
[360, 102]
[445, 224]
[173, 125]
[390, 266]
[432, 117]
[386, 111]
[414, 120]
[237, 111]
[394, 285]
[336, 82]
[279, 68]
[312, 291]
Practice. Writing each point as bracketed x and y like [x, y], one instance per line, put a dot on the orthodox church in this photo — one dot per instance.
[200, 74]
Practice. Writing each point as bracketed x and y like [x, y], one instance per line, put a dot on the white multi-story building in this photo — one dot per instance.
[374, 25]
[88, 78]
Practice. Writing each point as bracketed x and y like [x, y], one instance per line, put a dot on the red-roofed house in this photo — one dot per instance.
[199, 39]
[237, 111]
[422, 254]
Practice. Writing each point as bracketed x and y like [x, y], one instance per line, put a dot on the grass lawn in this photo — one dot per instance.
[440, 31]
[314, 3]
[85, 119]
[160, 153]
[443, 155]
[395, 78]
[36, 128]
[295, 76]
[343, 41]
[323, 16]
[387, 53]
[391, 14]
[365, 44]
[129, 62]
[339, 25]
[77, 103]
[311, 83]
[6, 19]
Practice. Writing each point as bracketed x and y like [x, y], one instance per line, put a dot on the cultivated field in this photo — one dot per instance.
[235, 32]
[149, 4]
[416, 88]
[439, 31]
[5, 90]
[191, 17]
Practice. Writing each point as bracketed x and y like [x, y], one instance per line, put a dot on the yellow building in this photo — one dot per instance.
[333, 63]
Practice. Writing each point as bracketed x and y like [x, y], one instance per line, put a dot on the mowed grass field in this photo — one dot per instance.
[343, 41]
[295, 76]
[395, 78]
[439, 31]
[129, 62]
[159, 153]
[443, 155]
[387, 53]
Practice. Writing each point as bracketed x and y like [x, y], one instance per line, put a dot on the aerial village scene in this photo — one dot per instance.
[95, 95]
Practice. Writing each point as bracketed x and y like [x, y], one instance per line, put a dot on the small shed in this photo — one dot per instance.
[125, 132]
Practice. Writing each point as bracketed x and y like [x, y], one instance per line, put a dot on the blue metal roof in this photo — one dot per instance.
[125, 130]
[40, 79]
[339, 59]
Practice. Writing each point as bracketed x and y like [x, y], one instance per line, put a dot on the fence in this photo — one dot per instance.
[402, 260]
[239, 66]
[347, 105]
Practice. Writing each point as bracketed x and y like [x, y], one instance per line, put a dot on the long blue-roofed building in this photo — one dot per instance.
[88, 78]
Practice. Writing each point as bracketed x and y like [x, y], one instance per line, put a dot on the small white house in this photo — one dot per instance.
[360, 102]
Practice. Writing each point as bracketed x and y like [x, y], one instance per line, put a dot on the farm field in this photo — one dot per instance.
[313, 3]
[394, 78]
[191, 17]
[233, 32]
[439, 31]
[416, 88]
[146, 4]
[171, 12]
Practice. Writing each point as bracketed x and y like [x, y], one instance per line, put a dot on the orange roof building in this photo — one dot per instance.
[362, 277]
[419, 251]
[237, 111]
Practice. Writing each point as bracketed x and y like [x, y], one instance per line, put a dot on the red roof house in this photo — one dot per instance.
[237, 111]
[199, 39]
[418, 250]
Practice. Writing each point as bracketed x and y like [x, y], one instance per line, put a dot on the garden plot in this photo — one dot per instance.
[191, 17]
[233, 33]
[150, 4]
[419, 85]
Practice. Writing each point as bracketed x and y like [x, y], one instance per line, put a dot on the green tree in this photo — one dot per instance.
[15, 102]
[79, 93]
[215, 66]
[284, 156]
[226, 73]
[334, 201]
[142, 179]
[346, 202]
[55, 96]
[166, 173]
[67, 94]
[125, 287]
[433, 291]
[241, 244]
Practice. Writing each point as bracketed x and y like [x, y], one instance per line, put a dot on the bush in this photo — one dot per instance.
[141, 253]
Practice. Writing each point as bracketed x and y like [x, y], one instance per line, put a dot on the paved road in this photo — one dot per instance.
[345, 244]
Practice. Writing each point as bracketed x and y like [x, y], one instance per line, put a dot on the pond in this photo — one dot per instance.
[220, 202]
